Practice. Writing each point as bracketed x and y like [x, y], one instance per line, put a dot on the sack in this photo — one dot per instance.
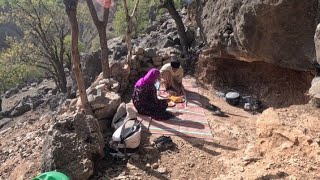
[123, 113]
[127, 136]
[126, 139]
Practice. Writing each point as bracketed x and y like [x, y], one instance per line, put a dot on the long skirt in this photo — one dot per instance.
[147, 103]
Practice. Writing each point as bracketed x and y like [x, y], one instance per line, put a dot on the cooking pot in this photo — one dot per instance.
[233, 98]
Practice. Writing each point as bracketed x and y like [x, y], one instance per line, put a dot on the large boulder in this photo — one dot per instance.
[285, 135]
[120, 72]
[11, 92]
[117, 48]
[120, 51]
[20, 109]
[105, 84]
[91, 66]
[314, 92]
[279, 32]
[103, 97]
[5, 121]
[150, 53]
[105, 106]
[56, 101]
[72, 146]
[26, 104]
[286, 146]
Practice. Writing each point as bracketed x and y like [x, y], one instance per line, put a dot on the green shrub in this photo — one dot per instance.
[13, 70]
[141, 20]
[12, 74]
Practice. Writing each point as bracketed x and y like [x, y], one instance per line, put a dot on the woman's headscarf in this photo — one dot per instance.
[149, 78]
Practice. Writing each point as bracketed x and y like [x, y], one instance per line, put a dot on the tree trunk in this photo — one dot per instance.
[104, 52]
[129, 28]
[71, 9]
[62, 79]
[169, 4]
[101, 27]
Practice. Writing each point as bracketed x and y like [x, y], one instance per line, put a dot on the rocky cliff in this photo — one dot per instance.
[280, 32]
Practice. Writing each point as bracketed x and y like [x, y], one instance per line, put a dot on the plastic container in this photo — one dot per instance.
[52, 175]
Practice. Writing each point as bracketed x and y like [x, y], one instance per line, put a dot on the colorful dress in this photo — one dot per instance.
[147, 103]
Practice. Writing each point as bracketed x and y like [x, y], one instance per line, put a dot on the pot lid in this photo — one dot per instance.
[232, 95]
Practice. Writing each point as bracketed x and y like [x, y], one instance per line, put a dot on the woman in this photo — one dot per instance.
[145, 97]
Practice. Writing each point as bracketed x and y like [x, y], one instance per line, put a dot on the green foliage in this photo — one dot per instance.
[46, 42]
[2, 2]
[87, 30]
[141, 20]
[13, 74]
[177, 3]
[12, 71]
[95, 44]
[67, 43]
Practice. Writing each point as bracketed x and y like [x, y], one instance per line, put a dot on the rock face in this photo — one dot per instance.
[275, 86]
[11, 92]
[91, 67]
[105, 107]
[290, 137]
[72, 145]
[121, 74]
[314, 92]
[26, 104]
[317, 42]
[280, 32]
[4, 121]
[103, 97]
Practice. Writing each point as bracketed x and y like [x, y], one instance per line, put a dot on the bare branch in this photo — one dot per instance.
[93, 13]
[134, 9]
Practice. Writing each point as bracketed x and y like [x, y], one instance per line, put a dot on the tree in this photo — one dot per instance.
[129, 20]
[169, 5]
[101, 26]
[140, 19]
[44, 31]
[45, 34]
[71, 9]
[87, 33]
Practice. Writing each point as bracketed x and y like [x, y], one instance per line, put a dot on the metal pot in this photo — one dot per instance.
[233, 98]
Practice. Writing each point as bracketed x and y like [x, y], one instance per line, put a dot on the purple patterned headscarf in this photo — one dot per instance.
[149, 78]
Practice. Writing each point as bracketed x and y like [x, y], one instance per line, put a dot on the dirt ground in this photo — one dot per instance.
[226, 157]
[21, 146]
[21, 139]
[235, 153]
[192, 158]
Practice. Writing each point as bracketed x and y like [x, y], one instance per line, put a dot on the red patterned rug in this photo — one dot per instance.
[189, 120]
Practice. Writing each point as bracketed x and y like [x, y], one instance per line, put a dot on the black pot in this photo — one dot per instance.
[233, 98]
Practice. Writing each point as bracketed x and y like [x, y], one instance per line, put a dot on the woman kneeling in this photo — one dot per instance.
[145, 97]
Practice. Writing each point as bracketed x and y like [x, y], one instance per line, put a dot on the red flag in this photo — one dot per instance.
[105, 3]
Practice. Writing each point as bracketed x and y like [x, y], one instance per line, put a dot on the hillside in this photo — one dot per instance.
[265, 50]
